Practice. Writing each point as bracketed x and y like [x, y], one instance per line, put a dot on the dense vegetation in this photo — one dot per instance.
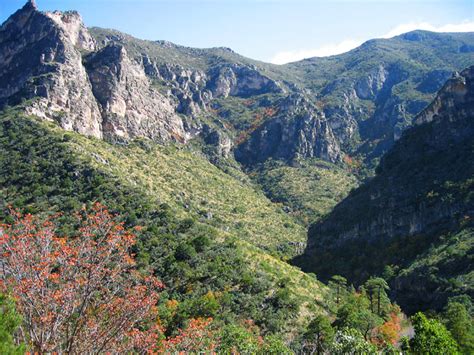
[209, 270]
[309, 187]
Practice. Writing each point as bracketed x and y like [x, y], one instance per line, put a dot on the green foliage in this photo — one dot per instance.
[446, 268]
[431, 337]
[351, 341]
[356, 313]
[319, 335]
[206, 264]
[9, 323]
[461, 326]
[274, 346]
[338, 283]
[237, 339]
[311, 187]
[376, 288]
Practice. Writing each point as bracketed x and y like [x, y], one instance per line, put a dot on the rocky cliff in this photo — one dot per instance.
[42, 67]
[40, 61]
[422, 190]
[298, 130]
[130, 106]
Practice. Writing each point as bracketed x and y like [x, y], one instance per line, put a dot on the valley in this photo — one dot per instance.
[288, 208]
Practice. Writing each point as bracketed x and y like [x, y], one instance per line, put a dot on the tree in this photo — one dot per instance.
[431, 337]
[376, 289]
[340, 283]
[355, 313]
[350, 341]
[82, 293]
[196, 338]
[10, 320]
[389, 332]
[460, 325]
[235, 339]
[318, 336]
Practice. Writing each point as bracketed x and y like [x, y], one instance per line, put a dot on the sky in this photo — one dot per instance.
[276, 31]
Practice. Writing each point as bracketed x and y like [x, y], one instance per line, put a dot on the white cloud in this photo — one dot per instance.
[348, 44]
[466, 26]
[324, 51]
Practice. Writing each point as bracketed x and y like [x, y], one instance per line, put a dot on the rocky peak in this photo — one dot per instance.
[455, 93]
[73, 27]
[39, 63]
[19, 18]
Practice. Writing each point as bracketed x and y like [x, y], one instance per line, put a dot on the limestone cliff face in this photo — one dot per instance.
[42, 59]
[73, 28]
[130, 106]
[241, 80]
[39, 61]
[299, 129]
[419, 193]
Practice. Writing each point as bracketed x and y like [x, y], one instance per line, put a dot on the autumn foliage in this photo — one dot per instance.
[389, 332]
[196, 338]
[78, 294]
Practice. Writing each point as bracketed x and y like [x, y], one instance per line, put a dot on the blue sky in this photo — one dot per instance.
[269, 30]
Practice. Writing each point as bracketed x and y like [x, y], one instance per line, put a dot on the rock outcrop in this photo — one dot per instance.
[241, 80]
[298, 130]
[130, 106]
[40, 63]
[41, 67]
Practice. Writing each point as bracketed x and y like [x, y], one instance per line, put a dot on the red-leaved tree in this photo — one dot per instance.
[81, 293]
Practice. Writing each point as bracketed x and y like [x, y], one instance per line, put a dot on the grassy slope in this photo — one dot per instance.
[46, 168]
[192, 186]
[311, 189]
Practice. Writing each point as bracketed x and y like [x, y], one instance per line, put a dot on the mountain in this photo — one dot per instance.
[413, 220]
[346, 110]
[219, 163]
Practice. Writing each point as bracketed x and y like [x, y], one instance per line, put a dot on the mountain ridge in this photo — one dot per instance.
[422, 191]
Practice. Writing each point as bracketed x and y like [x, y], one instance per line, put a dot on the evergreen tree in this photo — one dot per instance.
[9, 322]
[376, 289]
[460, 324]
[340, 284]
[319, 335]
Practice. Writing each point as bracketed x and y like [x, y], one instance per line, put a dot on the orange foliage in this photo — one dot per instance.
[196, 338]
[389, 332]
[79, 294]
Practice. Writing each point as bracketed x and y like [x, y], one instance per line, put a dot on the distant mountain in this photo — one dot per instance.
[414, 220]
[346, 109]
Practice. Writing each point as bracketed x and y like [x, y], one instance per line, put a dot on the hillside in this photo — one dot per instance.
[415, 216]
[192, 245]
